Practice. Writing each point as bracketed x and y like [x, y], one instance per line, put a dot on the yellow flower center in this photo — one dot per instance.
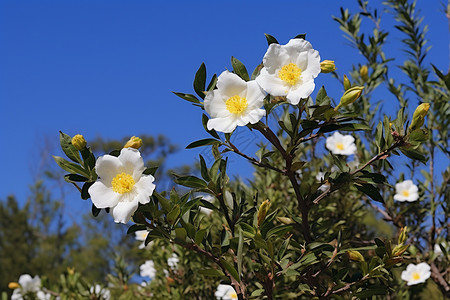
[236, 104]
[405, 193]
[233, 296]
[340, 146]
[290, 73]
[122, 183]
[415, 276]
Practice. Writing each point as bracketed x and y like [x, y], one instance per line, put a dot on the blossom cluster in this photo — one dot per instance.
[288, 70]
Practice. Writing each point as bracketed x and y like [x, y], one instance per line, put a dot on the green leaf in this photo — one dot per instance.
[200, 81]
[188, 97]
[211, 272]
[414, 154]
[203, 142]
[85, 190]
[173, 215]
[200, 235]
[370, 191]
[371, 291]
[150, 171]
[68, 148]
[379, 140]
[204, 169]
[191, 181]
[256, 71]
[418, 135]
[212, 83]
[71, 167]
[75, 178]
[239, 251]
[300, 36]
[239, 68]
[95, 210]
[230, 268]
[180, 233]
[136, 227]
[270, 39]
[278, 231]
[322, 97]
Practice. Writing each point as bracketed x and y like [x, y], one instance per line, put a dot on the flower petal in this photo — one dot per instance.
[215, 105]
[255, 95]
[132, 162]
[312, 68]
[275, 57]
[107, 167]
[123, 211]
[103, 196]
[145, 185]
[300, 91]
[226, 125]
[251, 117]
[230, 84]
[272, 84]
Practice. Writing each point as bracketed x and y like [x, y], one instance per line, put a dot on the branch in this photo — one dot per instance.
[440, 281]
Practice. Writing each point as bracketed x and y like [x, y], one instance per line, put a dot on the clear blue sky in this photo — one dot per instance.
[108, 67]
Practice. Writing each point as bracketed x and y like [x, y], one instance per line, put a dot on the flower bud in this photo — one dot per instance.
[262, 212]
[79, 142]
[134, 142]
[364, 72]
[285, 220]
[70, 271]
[402, 236]
[399, 250]
[419, 116]
[355, 255]
[327, 66]
[347, 83]
[13, 285]
[350, 96]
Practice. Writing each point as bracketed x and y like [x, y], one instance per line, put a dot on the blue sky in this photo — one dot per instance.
[107, 68]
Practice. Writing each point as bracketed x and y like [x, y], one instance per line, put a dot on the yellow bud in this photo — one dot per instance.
[262, 212]
[350, 96]
[364, 72]
[402, 236]
[134, 142]
[327, 66]
[13, 285]
[71, 271]
[285, 220]
[399, 250]
[79, 142]
[347, 83]
[419, 116]
[355, 255]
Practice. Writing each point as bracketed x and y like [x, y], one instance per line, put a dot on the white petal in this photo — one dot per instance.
[123, 211]
[300, 91]
[226, 125]
[347, 140]
[132, 162]
[251, 117]
[272, 84]
[255, 95]
[313, 64]
[302, 62]
[215, 105]
[297, 46]
[103, 196]
[349, 150]
[412, 197]
[145, 186]
[107, 167]
[230, 84]
[275, 57]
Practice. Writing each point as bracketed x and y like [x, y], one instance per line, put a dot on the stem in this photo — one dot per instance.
[381, 155]
[288, 157]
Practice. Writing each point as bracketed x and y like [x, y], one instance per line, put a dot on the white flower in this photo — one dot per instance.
[141, 235]
[437, 249]
[406, 191]
[101, 293]
[415, 274]
[225, 292]
[289, 70]
[148, 269]
[27, 284]
[320, 177]
[121, 184]
[234, 103]
[173, 261]
[341, 144]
